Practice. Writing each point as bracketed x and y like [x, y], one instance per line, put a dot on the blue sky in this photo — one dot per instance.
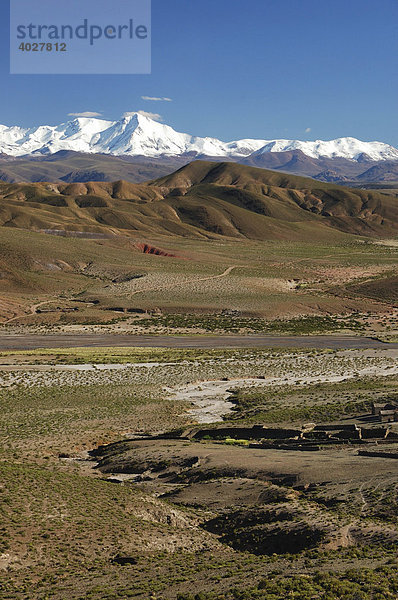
[306, 69]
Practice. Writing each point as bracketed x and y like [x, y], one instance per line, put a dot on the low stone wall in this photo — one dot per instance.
[248, 433]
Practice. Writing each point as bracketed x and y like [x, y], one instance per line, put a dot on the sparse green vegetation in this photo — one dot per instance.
[321, 412]
[322, 402]
[231, 324]
[77, 356]
[368, 584]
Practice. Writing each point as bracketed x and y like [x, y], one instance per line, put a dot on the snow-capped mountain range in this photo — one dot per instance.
[138, 135]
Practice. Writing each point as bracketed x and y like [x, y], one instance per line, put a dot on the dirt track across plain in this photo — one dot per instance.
[30, 342]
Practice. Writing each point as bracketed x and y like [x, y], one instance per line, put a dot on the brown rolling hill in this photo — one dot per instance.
[384, 289]
[203, 200]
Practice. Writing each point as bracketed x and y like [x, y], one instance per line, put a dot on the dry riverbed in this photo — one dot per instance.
[206, 384]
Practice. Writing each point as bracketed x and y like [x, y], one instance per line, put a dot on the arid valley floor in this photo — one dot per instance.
[100, 503]
[191, 414]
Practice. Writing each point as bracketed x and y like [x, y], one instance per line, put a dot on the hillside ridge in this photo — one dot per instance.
[202, 199]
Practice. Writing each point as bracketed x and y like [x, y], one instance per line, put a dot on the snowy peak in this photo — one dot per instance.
[347, 147]
[138, 135]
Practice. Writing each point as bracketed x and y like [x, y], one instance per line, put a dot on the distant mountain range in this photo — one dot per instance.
[138, 148]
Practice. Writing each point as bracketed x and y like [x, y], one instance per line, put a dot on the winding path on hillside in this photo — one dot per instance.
[32, 311]
[172, 285]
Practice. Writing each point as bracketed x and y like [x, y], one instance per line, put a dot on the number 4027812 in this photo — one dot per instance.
[42, 47]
